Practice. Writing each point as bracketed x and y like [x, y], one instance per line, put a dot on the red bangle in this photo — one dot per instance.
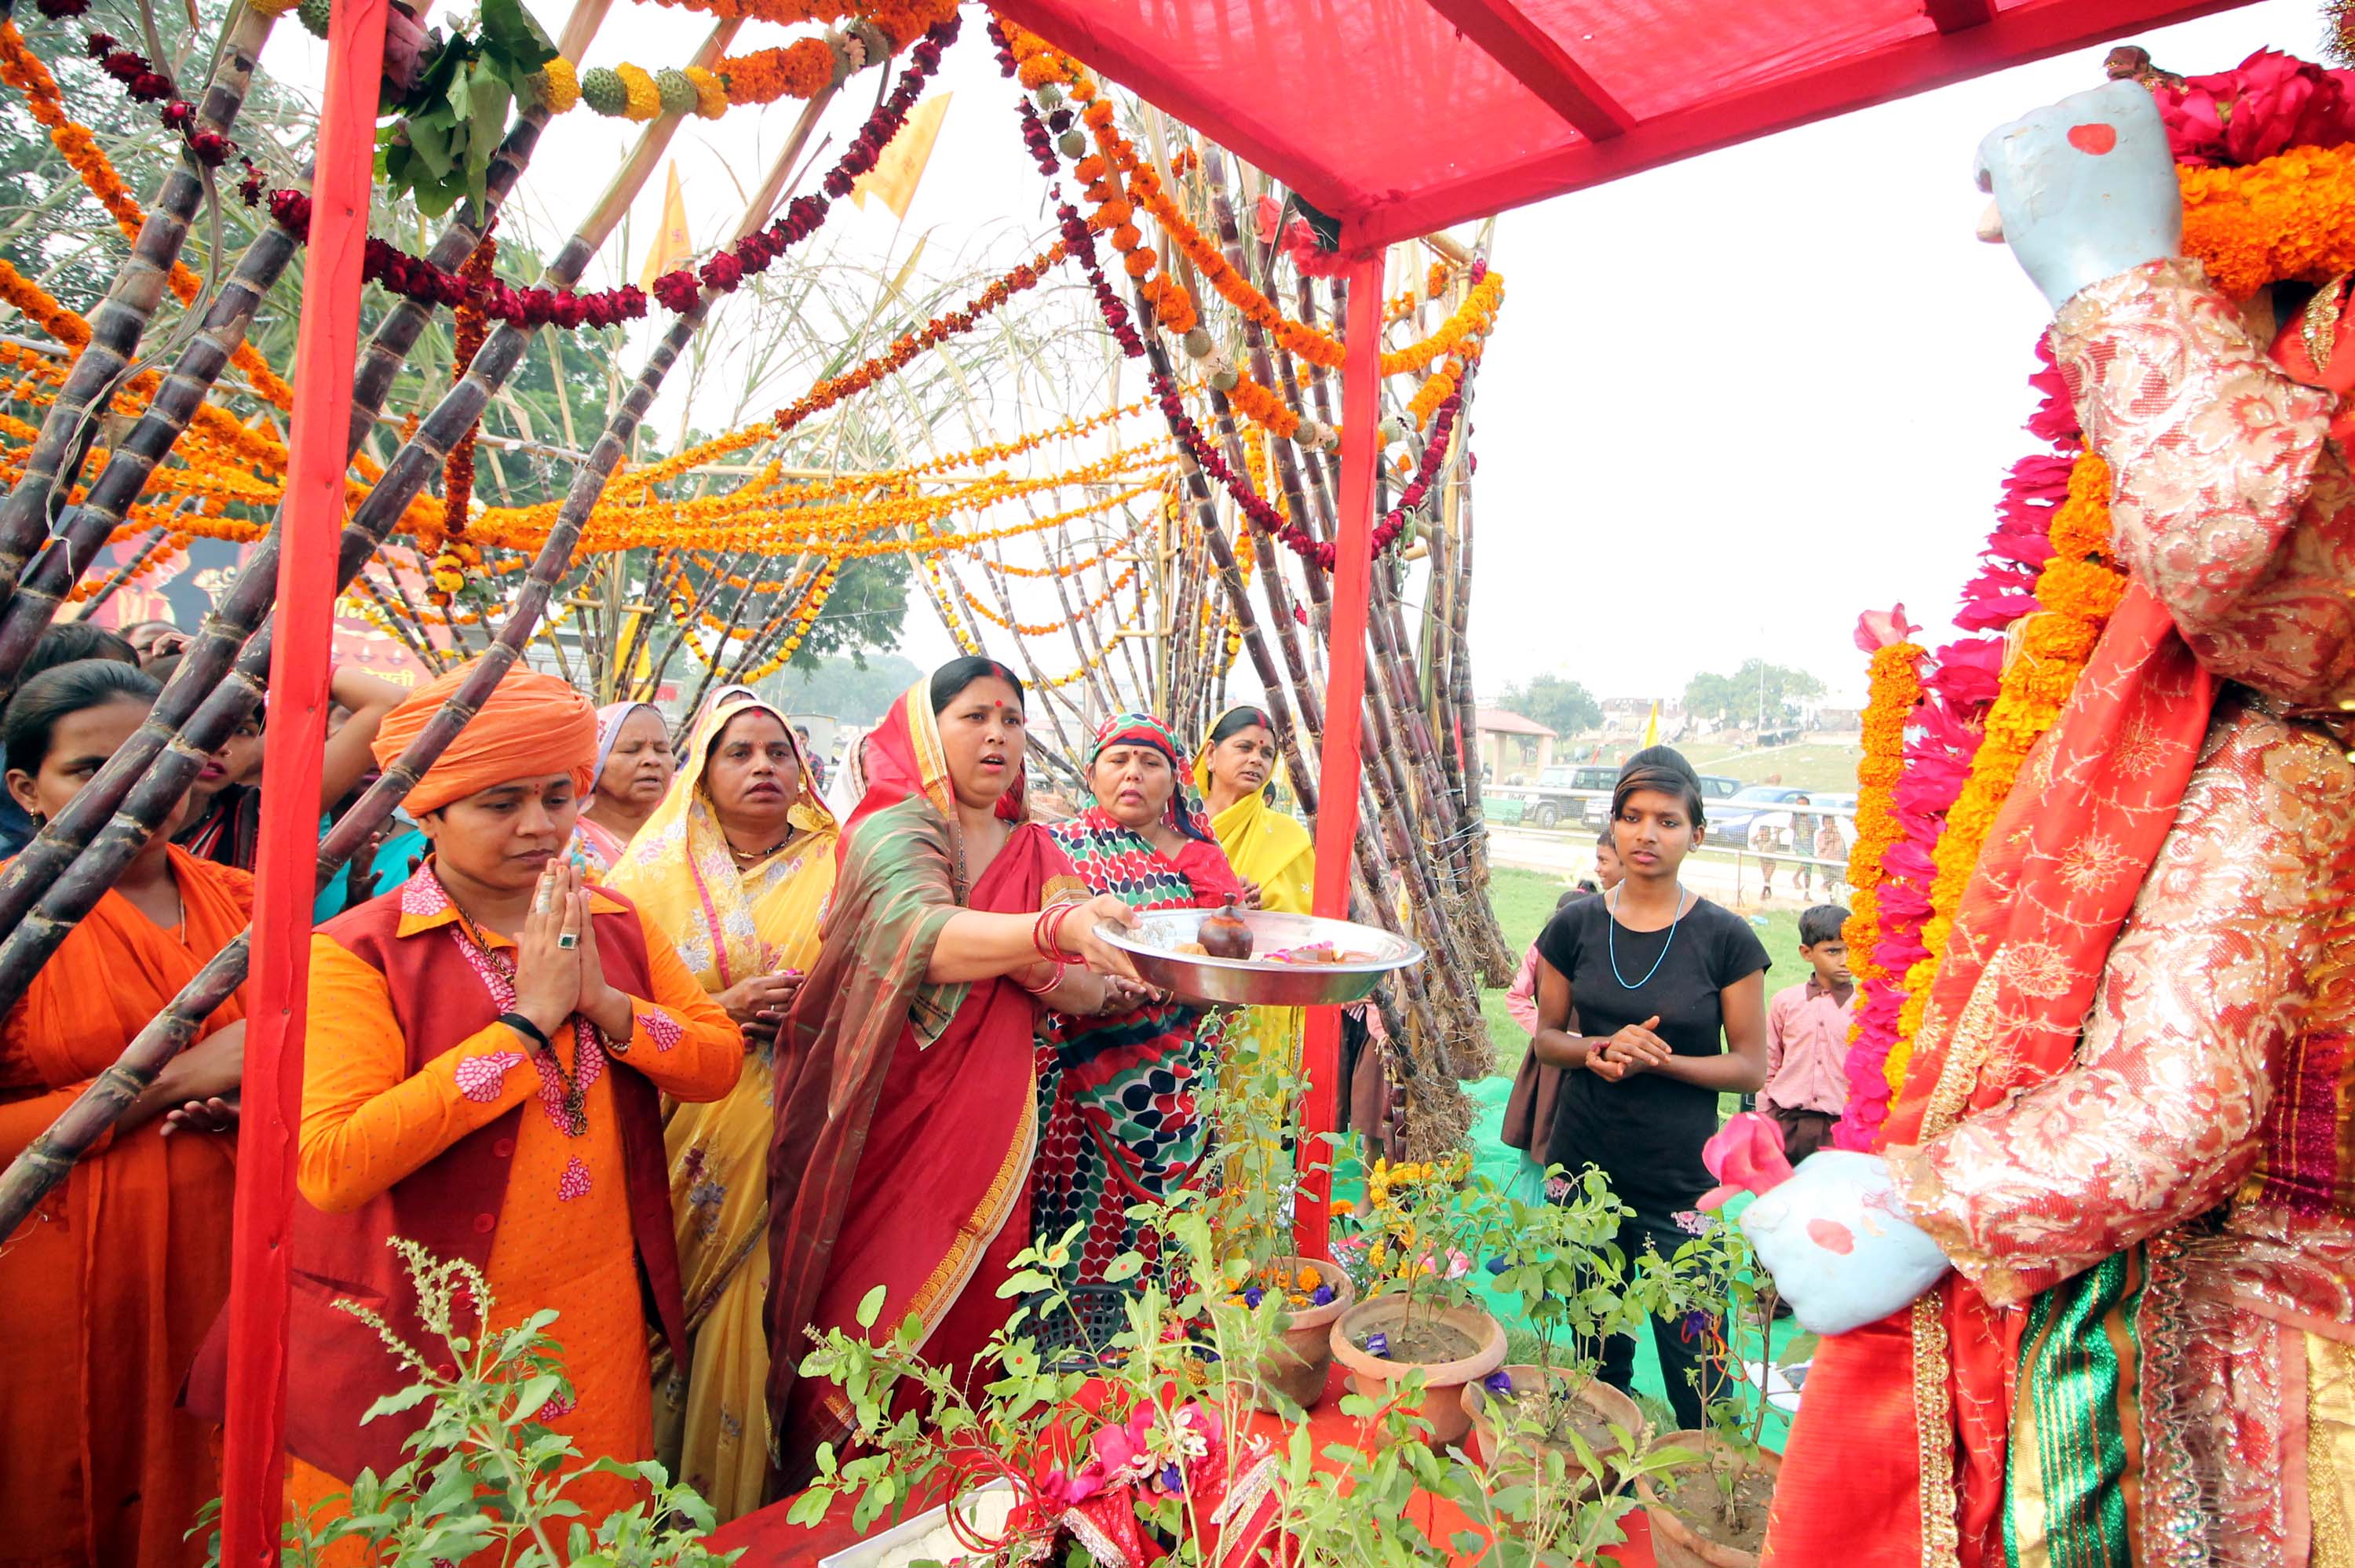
[1055, 934]
[1054, 978]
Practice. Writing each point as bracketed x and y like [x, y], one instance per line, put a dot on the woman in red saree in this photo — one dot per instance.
[906, 1107]
[106, 1290]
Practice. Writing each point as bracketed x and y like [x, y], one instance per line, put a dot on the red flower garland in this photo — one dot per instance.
[416, 277]
[1081, 242]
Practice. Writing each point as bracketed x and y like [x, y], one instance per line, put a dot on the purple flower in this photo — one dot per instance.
[1499, 1382]
[1695, 1326]
[1378, 1344]
[1254, 1297]
[1322, 1296]
[1173, 1479]
[1692, 1222]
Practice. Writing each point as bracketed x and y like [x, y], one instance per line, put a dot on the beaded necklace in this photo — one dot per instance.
[569, 1108]
[1611, 940]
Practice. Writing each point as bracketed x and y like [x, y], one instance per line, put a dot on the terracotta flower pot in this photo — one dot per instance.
[1300, 1362]
[1615, 1408]
[1675, 1542]
[1374, 1376]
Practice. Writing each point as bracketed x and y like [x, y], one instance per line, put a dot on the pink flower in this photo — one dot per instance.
[1458, 1266]
[1878, 629]
[1746, 1155]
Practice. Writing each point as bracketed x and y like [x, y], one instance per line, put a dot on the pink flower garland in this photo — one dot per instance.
[1959, 683]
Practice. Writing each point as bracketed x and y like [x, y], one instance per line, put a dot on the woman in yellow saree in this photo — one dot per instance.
[738, 865]
[1267, 849]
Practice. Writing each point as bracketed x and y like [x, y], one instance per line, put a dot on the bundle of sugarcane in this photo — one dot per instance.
[121, 318]
[48, 1159]
[68, 866]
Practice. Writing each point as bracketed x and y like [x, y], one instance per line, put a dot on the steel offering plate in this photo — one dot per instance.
[1255, 981]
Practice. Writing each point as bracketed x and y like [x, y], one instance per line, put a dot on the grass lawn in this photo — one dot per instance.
[1523, 900]
[1813, 765]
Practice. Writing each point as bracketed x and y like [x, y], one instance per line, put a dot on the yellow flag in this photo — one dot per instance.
[671, 245]
[892, 181]
[1652, 725]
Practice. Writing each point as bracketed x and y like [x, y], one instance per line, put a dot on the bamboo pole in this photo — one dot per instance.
[208, 695]
[120, 320]
[48, 1159]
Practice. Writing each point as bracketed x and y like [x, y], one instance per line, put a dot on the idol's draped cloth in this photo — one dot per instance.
[2144, 1348]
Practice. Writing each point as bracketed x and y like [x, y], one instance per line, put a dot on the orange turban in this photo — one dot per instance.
[531, 726]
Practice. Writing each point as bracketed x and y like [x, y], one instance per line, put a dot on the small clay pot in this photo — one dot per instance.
[1675, 1544]
[1374, 1376]
[1300, 1362]
[1616, 1409]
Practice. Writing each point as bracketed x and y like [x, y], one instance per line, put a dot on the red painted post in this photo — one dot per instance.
[310, 518]
[1345, 695]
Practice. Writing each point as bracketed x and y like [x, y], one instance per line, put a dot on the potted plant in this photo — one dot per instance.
[484, 1478]
[1420, 1315]
[1255, 1187]
[1710, 1512]
[1144, 1456]
[1577, 1289]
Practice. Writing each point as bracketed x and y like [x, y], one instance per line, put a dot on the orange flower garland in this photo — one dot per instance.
[1086, 610]
[2290, 216]
[801, 70]
[41, 308]
[1894, 689]
[827, 393]
[2077, 591]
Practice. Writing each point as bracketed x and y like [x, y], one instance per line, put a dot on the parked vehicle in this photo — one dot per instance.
[1730, 825]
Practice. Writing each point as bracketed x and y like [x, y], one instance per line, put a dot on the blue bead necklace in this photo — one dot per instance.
[1611, 940]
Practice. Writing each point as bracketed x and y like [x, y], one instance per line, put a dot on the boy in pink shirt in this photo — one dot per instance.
[1808, 1028]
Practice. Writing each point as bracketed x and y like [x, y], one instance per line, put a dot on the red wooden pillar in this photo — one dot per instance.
[1344, 694]
[310, 522]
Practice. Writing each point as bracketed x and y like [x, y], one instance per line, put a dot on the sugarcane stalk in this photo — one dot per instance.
[120, 320]
[207, 696]
[52, 1155]
[203, 359]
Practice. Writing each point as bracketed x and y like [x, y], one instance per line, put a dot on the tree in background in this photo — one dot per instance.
[1756, 690]
[1563, 706]
[857, 689]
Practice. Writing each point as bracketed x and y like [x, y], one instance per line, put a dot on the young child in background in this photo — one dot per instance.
[1806, 1038]
[1529, 1109]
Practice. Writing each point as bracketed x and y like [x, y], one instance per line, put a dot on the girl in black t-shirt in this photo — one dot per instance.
[1670, 991]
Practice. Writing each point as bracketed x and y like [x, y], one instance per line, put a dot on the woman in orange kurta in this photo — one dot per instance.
[107, 1288]
[489, 1037]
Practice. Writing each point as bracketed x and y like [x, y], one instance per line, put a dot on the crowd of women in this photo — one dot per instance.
[666, 1044]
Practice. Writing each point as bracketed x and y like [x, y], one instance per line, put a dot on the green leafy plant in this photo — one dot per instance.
[1577, 1287]
[485, 1473]
[455, 114]
[1715, 1278]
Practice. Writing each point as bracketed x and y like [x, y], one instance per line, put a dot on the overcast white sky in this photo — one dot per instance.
[1730, 403]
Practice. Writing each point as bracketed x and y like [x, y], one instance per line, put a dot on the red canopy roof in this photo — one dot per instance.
[1404, 116]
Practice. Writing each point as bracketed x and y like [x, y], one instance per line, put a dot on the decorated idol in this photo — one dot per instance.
[2122, 1154]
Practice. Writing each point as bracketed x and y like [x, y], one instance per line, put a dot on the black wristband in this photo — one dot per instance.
[524, 1026]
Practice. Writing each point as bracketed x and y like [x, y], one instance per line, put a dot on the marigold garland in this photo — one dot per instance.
[2077, 591]
[909, 344]
[2289, 217]
[1894, 691]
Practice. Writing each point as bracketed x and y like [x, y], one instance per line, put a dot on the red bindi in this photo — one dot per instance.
[2094, 138]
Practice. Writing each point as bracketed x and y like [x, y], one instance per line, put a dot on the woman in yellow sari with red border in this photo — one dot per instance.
[736, 865]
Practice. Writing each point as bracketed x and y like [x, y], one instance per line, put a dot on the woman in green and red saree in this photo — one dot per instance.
[906, 1112]
[1119, 1093]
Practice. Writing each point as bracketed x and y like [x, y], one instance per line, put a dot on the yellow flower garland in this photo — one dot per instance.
[2077, 591]
[1894, 689]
